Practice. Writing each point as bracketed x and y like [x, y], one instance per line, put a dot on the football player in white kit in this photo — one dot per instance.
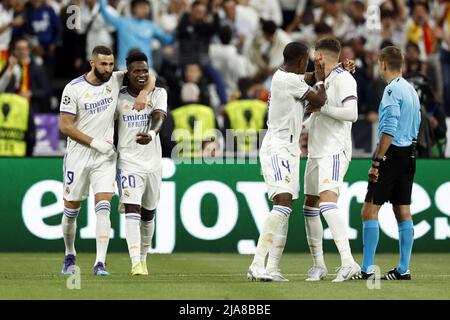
[329, 155]
[280, 155]
[139, 162]
[87, 118]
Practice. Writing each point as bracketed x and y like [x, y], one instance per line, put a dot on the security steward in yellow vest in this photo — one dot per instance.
[194, 125]
[17, 134]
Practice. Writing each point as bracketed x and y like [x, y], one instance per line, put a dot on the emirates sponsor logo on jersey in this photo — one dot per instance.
[98, 106]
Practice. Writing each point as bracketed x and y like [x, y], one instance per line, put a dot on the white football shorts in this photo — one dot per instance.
[325, 174]
[84, 167]
[139, 188]
[281, 171]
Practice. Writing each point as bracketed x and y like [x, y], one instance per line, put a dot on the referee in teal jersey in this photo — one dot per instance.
[394, 164]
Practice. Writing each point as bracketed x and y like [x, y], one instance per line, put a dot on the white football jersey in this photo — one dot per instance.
[328, 136]
[135, 157]
[93, 107]
[285, 110]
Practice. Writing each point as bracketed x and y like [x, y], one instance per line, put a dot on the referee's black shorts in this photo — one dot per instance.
[396, 177]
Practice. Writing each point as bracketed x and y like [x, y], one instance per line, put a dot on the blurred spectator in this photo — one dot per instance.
[193, 74]
[361, 76]
[292, 11]
[245, 116]
[443, 33]
[413, 64]
[420, 29]
[58, 5]
[266, 53]
[42, 27]
[7, 73]
[332, 14]
[195, 32]
[358, 29]
[169, 20]
[136, 32]
[433, 129]
[243, 21]
[229, 62]
[95, 30]
[30, 78]
[194, 126]
[7, 22]
[267, 10]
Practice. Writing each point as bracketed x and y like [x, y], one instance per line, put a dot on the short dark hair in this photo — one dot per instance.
[225, 34]
[322, 28]
[329, 44]
[294, 51]
[393, 58]
[269, 27]
[135, 55]
[102, 50]
[412, 45]
[136, 2]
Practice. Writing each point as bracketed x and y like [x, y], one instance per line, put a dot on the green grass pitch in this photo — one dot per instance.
[211, 276]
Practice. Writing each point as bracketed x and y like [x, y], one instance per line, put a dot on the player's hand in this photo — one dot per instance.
[103, 147]
[373, 175]
[349, 65]
[311, 109]
[143, 138]
[319, 69]
[12, 62]
[141, 101]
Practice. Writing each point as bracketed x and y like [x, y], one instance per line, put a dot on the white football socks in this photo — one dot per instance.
[102, 229]
[147, 231]
[314, 234]
[69, 228]
[330, 212]
[272, 238]
[133, 235]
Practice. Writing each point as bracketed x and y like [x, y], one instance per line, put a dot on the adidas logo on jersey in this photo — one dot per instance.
[326, 181]
[88, 96]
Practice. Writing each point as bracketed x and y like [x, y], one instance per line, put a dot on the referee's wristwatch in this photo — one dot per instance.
[375, 159]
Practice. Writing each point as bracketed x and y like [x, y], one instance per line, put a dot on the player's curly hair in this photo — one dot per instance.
[135, 55]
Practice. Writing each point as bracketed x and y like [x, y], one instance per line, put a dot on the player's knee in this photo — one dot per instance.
[311, 201]
[147, 215]
[132, 208]
[72, 204]
[283, 199]
[329, 195]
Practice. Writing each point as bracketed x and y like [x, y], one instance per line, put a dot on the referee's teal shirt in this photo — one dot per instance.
[399, 113]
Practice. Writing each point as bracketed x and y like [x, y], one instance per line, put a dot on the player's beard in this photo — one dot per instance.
[103, 77]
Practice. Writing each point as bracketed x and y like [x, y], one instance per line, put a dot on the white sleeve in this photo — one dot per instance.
[160, 101]
[348, 112]
[119, 75]
[346, 88]
[69, 100]
[298, 87]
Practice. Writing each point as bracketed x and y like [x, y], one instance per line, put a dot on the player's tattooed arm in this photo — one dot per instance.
[68, 128]
[141, 100]
[157, 122]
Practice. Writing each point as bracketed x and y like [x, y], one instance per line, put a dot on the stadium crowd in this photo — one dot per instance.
[216, 57]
